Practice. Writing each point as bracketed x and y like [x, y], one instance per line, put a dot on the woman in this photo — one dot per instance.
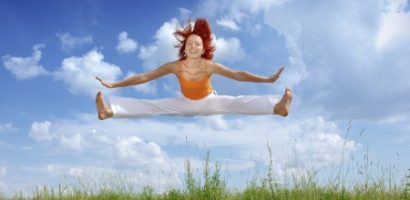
[194, 70]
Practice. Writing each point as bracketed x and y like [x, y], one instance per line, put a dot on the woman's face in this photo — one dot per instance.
[194, 47]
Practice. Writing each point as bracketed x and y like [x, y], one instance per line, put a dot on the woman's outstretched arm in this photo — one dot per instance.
[141, 78]
[244, 75]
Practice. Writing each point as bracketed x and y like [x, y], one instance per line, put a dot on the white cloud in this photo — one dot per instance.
[346, 81]
[319, 142]
[228, 50]
[184, 13]
[394, 29]
[133, 152]
[215, 121]
[27, 67]
[163, 49]
[73, 142]
[238, 11]
[69, 42]
[53, 169]
[7, 127]
[76, 171]
[125, 44]
[337, 53]
[83, 136]
[79, 73]
[228, 23]
[296, 71]
[40, 131]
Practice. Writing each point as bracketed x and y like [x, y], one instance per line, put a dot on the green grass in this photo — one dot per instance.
[211, 186]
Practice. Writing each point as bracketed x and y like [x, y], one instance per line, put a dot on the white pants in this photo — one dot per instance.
[209, 105]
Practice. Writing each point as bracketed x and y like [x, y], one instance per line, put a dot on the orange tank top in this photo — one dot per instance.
[195, 90]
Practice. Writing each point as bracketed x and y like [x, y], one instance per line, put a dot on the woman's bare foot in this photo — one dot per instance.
[283, 106]
[103, 112]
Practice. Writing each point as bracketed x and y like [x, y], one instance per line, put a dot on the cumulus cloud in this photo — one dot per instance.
[125, 44]
[79, 73]
[340, 59]
[163, 49]
[25, 67]
[133, 152]
[348, 79]
[83, 136]
[228, 50]
[134, 143]
[69, 42]
[40, 131]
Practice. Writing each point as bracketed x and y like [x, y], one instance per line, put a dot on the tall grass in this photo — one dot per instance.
[211, 186]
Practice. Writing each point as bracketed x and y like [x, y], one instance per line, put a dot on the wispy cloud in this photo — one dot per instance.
[184, 13]
[228, 23]
[69, 42]
[126, 44]
[7, 127]
[40, 131]
[26, 67]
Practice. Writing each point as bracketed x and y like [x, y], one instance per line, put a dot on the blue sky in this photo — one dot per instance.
[345, 61]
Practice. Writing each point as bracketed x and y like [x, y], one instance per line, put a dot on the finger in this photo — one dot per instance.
[281, 69]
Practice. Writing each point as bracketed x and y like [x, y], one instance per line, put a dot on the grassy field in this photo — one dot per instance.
[210, 185]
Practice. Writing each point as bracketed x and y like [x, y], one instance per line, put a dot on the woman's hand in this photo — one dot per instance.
[274, 77]
[108, 85]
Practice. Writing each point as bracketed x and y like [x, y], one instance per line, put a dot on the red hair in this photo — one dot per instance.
[203, 30]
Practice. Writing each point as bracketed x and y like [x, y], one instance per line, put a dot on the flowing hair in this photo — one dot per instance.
[203, 30]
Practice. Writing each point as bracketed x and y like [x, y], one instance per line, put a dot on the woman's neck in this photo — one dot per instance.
[192, 62]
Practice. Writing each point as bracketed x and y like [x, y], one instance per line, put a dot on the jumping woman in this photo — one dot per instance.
[194, 70]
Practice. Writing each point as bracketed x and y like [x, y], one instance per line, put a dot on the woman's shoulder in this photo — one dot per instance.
[171, 66]
[208, 63]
